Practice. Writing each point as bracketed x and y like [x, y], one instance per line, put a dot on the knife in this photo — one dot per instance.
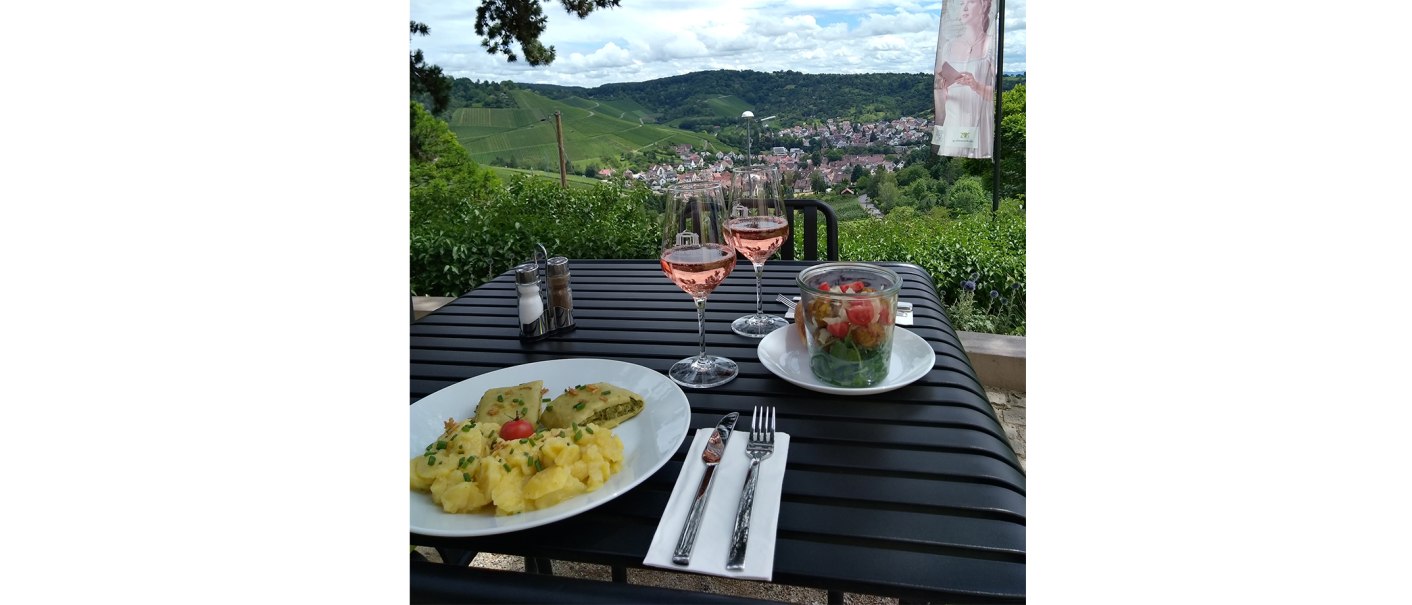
[715, 446]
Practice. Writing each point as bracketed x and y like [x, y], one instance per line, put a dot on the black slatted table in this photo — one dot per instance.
[914, 493]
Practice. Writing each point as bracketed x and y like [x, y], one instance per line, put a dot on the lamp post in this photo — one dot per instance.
[749, 118]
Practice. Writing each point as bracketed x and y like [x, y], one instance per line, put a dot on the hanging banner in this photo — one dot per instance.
[964, 89]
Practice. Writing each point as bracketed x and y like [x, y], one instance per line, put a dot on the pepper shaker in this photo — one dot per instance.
[534, 322]
[561, 295]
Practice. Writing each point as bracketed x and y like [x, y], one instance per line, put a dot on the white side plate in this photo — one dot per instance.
[784, 354]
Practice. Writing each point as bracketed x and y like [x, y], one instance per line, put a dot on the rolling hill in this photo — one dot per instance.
[594, 131]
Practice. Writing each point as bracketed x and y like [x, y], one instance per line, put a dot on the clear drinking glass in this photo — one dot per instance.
[847, 311]
[757, 227]
[697, 257]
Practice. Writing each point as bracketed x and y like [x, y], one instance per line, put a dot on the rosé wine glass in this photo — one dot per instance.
[697, 258]
[757, 227]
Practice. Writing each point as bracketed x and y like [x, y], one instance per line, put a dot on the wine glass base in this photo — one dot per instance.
[758, 326]
[701, 373]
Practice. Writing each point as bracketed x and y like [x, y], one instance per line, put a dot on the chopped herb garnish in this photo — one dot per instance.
[507, 466]
[524, 441]
[607, 392]
[467, 428]
[429, 446]
[545, 400]
[579, 405]
[500, 398]
[538, 465]
[431, 460]
[578, 435]
[589, 429]
[466, 476]
[441, 445]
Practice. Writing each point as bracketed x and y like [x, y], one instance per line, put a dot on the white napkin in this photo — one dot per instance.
[718, 520]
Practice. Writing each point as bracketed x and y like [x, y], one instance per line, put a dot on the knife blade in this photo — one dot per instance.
[711, 456]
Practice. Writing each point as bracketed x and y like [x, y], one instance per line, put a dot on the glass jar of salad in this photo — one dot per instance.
[847, 311]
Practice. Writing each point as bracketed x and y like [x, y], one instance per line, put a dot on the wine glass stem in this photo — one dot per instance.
[759, 273]
[701, 327]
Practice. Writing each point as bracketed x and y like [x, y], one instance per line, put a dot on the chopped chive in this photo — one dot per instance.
[467, 428]
[524, 441]
[589, 429]
[431, 460]
[607, 392]
[429, 446]
[545, 400]
[466, 476]
[500, 398]
[579, 405]
[578, 435]
[441, 445]
[507, 466]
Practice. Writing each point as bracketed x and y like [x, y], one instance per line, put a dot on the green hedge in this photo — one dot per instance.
[990, 252]
[458, 243]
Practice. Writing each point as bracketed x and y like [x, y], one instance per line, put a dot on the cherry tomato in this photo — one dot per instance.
[856, 286]
[839, 329]
[824, 286]
[519, 428]
[861, 312]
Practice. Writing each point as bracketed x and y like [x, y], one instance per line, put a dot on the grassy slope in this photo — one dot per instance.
[593, 131]
[575, 181]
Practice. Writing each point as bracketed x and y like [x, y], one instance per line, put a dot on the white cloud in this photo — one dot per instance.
[649, 39]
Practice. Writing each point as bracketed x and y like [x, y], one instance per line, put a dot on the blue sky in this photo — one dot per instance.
[648, 39]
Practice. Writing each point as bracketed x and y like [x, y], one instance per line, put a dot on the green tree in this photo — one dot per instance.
[858, 173]
[1012, 142]
[967, 195]
[888, 193]
[911, 173]
[426, 78]
[817, 182]
[505, 22]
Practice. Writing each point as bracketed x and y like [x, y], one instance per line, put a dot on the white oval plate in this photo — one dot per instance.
[649, 439]
[783, 353]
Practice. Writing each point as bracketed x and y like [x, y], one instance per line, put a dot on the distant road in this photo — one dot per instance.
[868, 206]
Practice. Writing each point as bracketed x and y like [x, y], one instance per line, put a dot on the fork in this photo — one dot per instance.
[758, 448]
[788, 302]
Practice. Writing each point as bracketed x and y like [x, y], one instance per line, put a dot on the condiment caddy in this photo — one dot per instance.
[546, 302]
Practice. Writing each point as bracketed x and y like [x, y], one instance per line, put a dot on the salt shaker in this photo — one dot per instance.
[561, 296]
[534, 322]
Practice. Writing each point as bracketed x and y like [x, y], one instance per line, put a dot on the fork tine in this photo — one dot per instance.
[755, 424]
[771, 437]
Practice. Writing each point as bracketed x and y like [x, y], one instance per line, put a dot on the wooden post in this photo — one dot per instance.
[563, 169]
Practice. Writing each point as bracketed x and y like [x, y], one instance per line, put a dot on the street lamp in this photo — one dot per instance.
[749, 118]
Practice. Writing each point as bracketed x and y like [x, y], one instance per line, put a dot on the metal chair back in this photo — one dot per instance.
[810, 210]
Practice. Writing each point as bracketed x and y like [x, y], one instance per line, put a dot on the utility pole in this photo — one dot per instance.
[559, 133]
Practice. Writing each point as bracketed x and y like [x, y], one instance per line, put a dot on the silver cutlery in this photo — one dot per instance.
[760, 446]
[715, 446]
[904, 309]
